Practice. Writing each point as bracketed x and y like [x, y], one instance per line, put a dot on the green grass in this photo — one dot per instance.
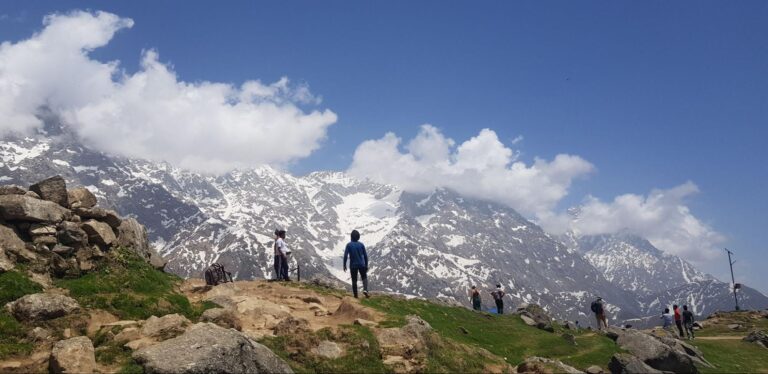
[733, 356]
[14, 285]
[362, 351]
[12, 337]
[742, 318]
[505, 336]
[128, 287]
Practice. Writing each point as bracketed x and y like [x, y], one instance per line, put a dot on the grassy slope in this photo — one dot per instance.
[505, 336]
[14, 285]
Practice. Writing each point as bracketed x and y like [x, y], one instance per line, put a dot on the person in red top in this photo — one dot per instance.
[678, 320]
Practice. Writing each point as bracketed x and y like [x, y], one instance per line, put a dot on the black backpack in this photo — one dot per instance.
[596, 307]
[215, 275]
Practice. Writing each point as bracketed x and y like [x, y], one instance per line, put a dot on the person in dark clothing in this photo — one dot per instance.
[474, 295]
[688, 322]
[358, 262]
[278, 266]
[498, 297]
[678, 320]
[599, 309]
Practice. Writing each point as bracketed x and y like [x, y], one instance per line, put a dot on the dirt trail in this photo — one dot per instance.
[721, 337]
[261, 305]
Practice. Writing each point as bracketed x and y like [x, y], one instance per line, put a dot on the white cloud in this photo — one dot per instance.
[480, 167]
[151, 113]
[662, 217]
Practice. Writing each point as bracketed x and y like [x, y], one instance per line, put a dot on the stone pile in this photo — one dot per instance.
[61, 232]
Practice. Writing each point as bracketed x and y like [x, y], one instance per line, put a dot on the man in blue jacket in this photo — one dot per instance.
[358, 262]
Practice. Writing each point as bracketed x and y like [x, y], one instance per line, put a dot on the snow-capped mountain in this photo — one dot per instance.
[660, 279]
[434, 245]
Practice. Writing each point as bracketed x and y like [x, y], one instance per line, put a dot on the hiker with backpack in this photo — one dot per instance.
[688, 322]
[284, 253]
[498, 297]
[678, 320]
[474, 296]
[358, 262]
[599, 309]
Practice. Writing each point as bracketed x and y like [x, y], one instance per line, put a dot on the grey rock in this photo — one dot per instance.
[594, 369]
[109, 217]
[133, 235]
[75, 355]
[759, 337]
[623, 363]
[222, 317]
[42, 306]
[5, 263]
[42, 229]
[52, 189]
[12, 190]
[81, 197]
[201, 349]
[10, 240]
[165, 327]
[99, 233]
[655, 353]
[328, 349]
[25, 208]
[569, 338]
[568, 325]
[70, 234]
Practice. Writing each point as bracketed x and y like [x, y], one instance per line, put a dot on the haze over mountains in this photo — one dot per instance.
[431, 245]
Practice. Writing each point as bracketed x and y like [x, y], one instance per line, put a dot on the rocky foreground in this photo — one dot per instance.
[84, 292]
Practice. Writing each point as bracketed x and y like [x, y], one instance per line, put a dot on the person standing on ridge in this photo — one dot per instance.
[599, 309]
[667, 319]
[474, 296]
[282, 248]
[688, 322]
[278, 266]
[678, 320]
[358, 262]
[498, 297]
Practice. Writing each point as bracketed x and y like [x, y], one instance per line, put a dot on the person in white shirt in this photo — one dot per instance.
[283, 252]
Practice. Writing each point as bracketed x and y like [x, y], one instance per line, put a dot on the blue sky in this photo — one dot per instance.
[653, 94]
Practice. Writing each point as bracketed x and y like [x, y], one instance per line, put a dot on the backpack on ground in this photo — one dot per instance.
[215, 275]
[596, 307]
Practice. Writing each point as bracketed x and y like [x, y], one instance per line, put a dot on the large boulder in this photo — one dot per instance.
[99, 233]
[207, 348]
[759, 337]
[655, 353]
[165, 327]
[407, 341]
[133, 235]
[222, 317]
[52, 189]
[623, 363]
[75, 355]
[25, 208]
[42, 306]
[81, 198]
[544, 365]
[537, 314]
[70, 234]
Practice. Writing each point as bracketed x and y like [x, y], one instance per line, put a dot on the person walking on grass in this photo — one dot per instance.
[358, 262]
[688, 322]
[278, 256]
[498, 297]
[474, 296]
[678, 320]
[599, 309]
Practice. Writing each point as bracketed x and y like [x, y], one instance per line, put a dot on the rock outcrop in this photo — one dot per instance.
[63, 233]
[623, 363]
[535, 315]
[758, 337]
[42, 306]
[202, 349]
[75, 355]
[654, 352]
